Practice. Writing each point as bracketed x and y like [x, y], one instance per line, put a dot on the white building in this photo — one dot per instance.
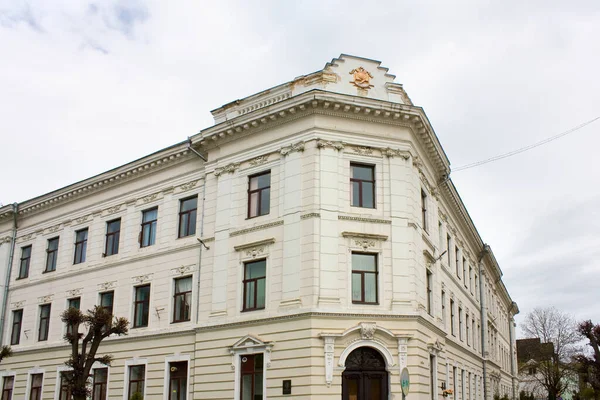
[309, 242]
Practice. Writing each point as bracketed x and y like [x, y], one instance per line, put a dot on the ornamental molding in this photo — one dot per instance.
[107, 285]
[361, 78]
[367, 330]
[150, 197]
[361, 235]
[250, 344]
[255, 248]
[363, 150]
[189, 185]
[364, 243]
[113, 209]
[295, 147]
[74, 292]
[256, 228]
[17, 304]
[323, 144]
[54, 228]
[142, 278]
[435, 347]
[391, 153]
[45, 299]
[25, 238]
[184, 269]
[260, 160]
[310, 215]
[83, 219]
[228, 169]
[5, 239]
[361, 219]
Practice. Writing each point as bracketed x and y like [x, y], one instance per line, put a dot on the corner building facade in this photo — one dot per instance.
[309, 245]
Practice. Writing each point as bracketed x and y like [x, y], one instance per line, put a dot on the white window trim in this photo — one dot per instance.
[172, 300]
[378, 253]
[133, 296]
[32, 371]
[248, 258]
[59, 370]
[98, 365]
[176, 358]
[249, 345]
[129, 363]
[5, 374]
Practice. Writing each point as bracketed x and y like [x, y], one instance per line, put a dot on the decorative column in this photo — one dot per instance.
[329, 348]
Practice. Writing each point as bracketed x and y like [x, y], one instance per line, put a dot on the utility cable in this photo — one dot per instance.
[523, 149]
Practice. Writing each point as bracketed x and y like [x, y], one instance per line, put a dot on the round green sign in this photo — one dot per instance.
[405, 381]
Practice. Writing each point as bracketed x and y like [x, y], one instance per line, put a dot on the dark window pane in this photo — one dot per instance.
[355, 194]
[364, 262]
[265, 201]
[264, 181]
[362, 172]
[189, 204]
[367, 195]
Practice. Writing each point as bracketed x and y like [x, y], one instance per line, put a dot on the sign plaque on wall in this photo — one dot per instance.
[287, 386]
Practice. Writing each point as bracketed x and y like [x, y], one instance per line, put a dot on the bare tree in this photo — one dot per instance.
[589, 364]
[100, 324]
[552, 326]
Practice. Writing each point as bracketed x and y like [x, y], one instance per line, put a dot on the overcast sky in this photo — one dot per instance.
[85, 87]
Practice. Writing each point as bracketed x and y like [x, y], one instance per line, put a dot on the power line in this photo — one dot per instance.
[523, 149]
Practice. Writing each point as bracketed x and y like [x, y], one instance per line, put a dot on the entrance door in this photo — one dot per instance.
[365, 377]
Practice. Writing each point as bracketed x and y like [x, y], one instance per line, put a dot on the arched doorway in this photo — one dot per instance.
[365, 376]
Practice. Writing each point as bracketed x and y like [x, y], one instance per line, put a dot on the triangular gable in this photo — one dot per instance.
[249, 341]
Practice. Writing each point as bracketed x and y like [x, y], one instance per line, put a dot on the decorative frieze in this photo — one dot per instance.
[113, 209]
[54, 228]
[256, 228]
[323, 144]
[329, 354]
[74, 292]
[46, 299]
[5, 239]
[83, 219]
[361, 219]
[17, 304]
[260, 160]
[367, 330]
[391, 153]
[360, 235]
[228, 169]
[107, 285]
[363, 150]
[310, 215]
[296, 147]
[149, 198]
[25, 238]
[189, 185]
[255, 248]
[142, 278]
[184, 269]
[364, 243]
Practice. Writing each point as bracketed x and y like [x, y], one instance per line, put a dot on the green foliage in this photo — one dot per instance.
[137, 396]
[587, 393]
[523, 395]
[6, 351]
[496, 396]
[505, 397]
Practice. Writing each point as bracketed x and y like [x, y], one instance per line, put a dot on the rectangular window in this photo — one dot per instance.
[457, 259]
[460, 323]
[141, 306]
[137, 377]
[432, 377]
[25, 259]
[462, 384]
[148, 233]
[35, 393]
[452, 316]
[81, 237]
[364, 278]
[254, 285]
[464, 271]
[468, 329]
[15, 334]
[106, 300]
[100, 379]
[362, 185]
[73, 303]
[44, 322]
[51, 255]
[474, 333]
[476, 287]
[113, 232]
[65, 391]
[259, 194]
[251, 376]
[187, 216]
[178, 380]
[7, 387]
[448, 247]
[429, 292]
[471, 279]
[443, 307]
[182, 299]
[424, 210]
[454, 378]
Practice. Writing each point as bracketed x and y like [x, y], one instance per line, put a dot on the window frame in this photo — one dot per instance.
[32, 376]
[26, 260]
[81, 245]
[360, 185]
[362, 283]
[253, 281]
[53, 254]
[452, 317]
[112, 303]
[460, 323]
[64, 387]
[241, 374]
[137, 381]
[193, 211]
[141, 302]
[103, 385]
[260, 194]
[152, 226]
[429, 278]
[182, 395]
[424, 213]
[44, 322]
[6, 378]
[115, 236]
[182, 294]
[20, 326]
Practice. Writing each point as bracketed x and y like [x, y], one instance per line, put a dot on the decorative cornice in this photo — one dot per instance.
[310, 215]
[229, 169]
[107, 285]
[46, 299]
[362, 219]
[189, 185]
[391, 153]
[184, 269]
[254, 247]
[142, 278]
[295, 147]
[74, 292]
[113, 209]
[256, 228]
[323, 144]
[363, 150]
[361, 235]
[260, 160]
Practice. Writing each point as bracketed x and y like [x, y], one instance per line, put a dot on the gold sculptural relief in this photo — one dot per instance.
[362, 78]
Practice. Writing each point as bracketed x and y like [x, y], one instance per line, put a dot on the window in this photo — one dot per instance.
[100, 378]
[73, 303]
[432, 376]
[362, 185]
[448, 246]
[106, 300]
[148, 233]
[471, 279]
[452, 315]
[80, 245]
[35, 393]
[444, 308]
[457, 258]
[532, 371]
[462, 384]
[187, 216]
[137, 377]
[178, 380]
[44, 322]
[24, 265]
[460, 323]
[477, 287]
[182, 299]
[251, 376]
[468, 329]
[254, 285]
[65, 391]
[364, 278]
[464, 272]
[51, 255]
[424, 210]
[429, 292]
[15, 335]
[454, 378]
[142, 306]
[7, 387]
[113, 231]
[474, 333]
[259, 194]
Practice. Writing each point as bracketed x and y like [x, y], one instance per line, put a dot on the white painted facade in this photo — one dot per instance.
[306, 133]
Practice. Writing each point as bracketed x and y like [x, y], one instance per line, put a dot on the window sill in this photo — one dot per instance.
[258, 216]
[361, 303]
[138, 327]
[180, 322]
[45, 272]
[252, 309]
[21, 278]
